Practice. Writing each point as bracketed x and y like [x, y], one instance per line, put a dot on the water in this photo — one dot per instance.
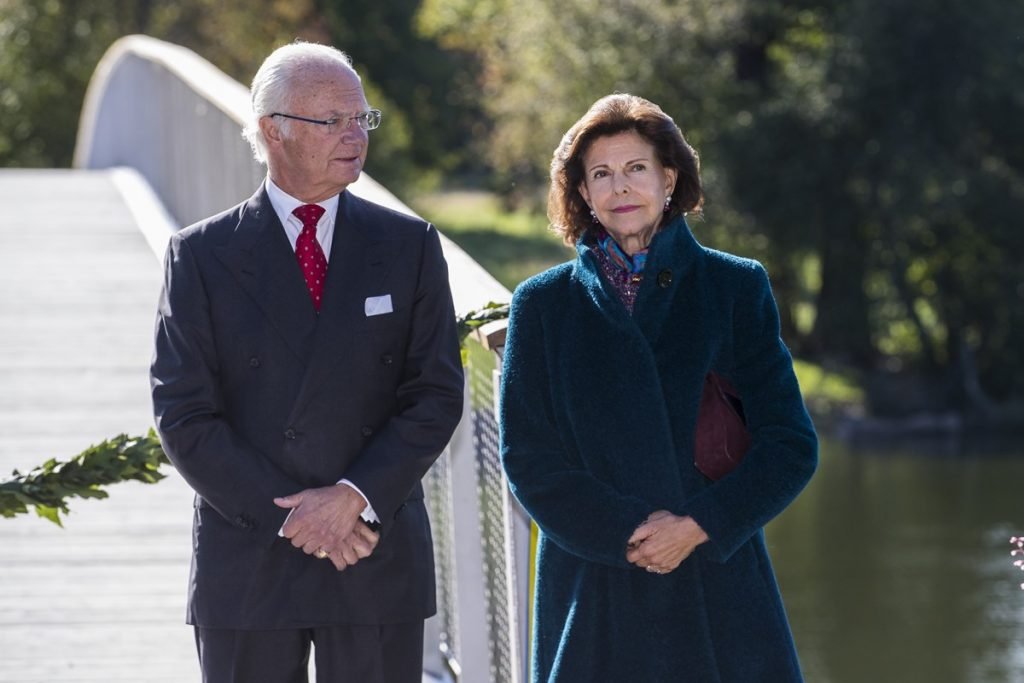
[895, 566]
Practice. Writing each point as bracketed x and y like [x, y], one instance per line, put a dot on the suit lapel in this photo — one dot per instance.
[362, 254]
[262, 261]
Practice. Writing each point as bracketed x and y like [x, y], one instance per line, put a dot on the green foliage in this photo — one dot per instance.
[430, 87]
[935, 180]
[474, 319]
[48, 487]
[544, 63]
[828, 393]
[48, 50]
[490, 312]
[878, 141]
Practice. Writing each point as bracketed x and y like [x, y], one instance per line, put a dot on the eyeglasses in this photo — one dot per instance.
[367, 120]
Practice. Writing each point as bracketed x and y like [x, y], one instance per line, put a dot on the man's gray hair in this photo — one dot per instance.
[272, 85]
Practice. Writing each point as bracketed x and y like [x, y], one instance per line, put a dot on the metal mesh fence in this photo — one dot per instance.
[475, 542]
[438, 487]
[492, 493]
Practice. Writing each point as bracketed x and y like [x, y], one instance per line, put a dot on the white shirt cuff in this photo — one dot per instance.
[368, 512]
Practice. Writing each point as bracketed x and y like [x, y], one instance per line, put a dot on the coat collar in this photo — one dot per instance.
[673, 256]
[670, 269]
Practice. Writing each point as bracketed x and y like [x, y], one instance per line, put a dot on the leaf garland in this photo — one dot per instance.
[48, 487]
[488, 313]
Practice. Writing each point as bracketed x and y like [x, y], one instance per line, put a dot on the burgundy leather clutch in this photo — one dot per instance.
[722, 438]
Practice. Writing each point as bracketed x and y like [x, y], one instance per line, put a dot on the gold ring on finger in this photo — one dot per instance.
[321, 554]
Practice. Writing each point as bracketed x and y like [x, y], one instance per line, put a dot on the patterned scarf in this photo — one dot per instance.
[623, 272]
[630, 265]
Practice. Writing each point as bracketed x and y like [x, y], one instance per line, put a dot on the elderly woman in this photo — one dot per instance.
[647, 570]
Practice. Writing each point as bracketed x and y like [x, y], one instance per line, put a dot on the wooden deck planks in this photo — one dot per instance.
[104, 598]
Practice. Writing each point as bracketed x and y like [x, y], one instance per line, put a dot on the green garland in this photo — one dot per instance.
[478, 318]
[48, 487]
[481, 316]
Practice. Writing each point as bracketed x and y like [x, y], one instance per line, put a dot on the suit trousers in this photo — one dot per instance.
[388, 653]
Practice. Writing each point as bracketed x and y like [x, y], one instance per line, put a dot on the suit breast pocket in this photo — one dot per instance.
[385, 316]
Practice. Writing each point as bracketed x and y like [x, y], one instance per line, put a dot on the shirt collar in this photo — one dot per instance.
[284, 204]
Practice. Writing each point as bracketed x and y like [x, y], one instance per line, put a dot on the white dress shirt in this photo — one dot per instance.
[284, 204]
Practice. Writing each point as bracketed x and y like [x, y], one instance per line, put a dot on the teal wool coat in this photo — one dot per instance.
[597, 430]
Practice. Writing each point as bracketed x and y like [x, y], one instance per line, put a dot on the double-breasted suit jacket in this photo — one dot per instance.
[257, 396]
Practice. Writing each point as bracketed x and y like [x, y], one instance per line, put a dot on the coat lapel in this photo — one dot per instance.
[667, 293]
[262, 261]
[615, 370]
[626, 359]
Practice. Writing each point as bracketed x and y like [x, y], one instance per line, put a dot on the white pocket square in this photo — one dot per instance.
[378, 305]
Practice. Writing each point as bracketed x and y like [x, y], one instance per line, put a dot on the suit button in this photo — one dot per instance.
[367, 431]
[254, 362]
[386, 359]
[289, 434]
[244, 522]
[665, 279]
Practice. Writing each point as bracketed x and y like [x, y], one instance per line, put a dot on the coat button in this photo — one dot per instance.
[289, 434]
[386, 359]
[367, 431]
[254, 362]
[665, 279]
[244, 522]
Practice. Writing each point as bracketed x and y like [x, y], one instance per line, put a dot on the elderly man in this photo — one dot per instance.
[306, 375]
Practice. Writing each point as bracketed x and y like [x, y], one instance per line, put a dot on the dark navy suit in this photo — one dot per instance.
[257, 396]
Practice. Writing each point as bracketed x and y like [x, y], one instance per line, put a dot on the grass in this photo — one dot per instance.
[829, 394]
[511, 245]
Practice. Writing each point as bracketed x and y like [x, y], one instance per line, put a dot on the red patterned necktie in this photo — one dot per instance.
[307, 250]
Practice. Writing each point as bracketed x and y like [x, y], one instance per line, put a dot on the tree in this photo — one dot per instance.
[47, 53]
[427, 86]
[544, 64]
[941, 182]
[869, 153]
[49, 50]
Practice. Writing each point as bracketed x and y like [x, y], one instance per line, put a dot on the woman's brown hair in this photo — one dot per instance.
[610, 115]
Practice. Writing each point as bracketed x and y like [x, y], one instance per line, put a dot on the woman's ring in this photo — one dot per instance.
[321, 553]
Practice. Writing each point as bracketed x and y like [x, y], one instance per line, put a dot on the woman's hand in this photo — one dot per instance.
[662, 542]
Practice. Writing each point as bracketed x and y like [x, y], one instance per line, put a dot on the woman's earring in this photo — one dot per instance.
[668, 203]
[593, 217]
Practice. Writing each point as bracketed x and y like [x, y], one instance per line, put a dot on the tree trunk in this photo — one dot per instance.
[841, 326]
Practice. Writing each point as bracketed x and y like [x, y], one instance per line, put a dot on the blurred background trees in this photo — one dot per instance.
[870, 153]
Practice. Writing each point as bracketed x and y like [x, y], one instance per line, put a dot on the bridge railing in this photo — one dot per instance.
[175, 119]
